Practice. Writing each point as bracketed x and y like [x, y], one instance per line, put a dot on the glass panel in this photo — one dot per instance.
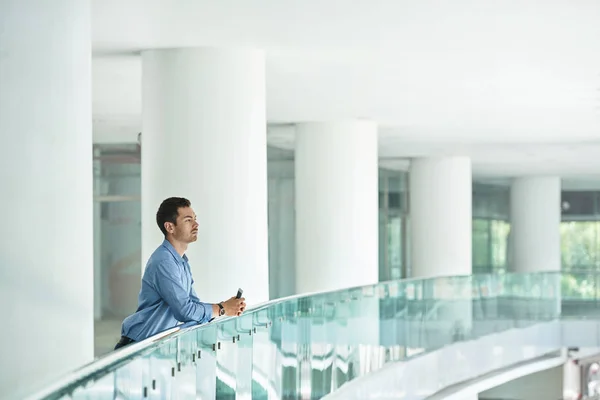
[101, 389]
[206, 362]
[128, 379]
[486, 318]
[120, 257]
[363, 334]
[227, 359]
[185, 366]
[163, 370]
[146, 375]
[393, 210]
[315, 368]
[579, 245]
[415, 315]
[329, 342]
[395, 244]
[339, 334]
[266, 354]
[396, 308]
[499, 230]
[245, 341]
[290, 371]
[117, 237]
[481, 246]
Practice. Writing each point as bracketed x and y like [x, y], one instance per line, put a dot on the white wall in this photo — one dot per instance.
[545, 385]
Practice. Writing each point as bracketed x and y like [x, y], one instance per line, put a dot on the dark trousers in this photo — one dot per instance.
[124, 342]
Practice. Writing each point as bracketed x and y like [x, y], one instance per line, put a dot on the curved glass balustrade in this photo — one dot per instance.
[308, 346]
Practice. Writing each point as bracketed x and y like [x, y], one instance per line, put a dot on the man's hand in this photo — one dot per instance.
[234, 306]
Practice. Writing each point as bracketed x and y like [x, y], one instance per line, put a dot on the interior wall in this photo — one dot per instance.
[544, 385]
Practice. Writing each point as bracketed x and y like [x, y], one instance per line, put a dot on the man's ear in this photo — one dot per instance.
[169, 227]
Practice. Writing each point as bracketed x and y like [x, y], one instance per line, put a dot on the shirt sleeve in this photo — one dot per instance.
[185, 306]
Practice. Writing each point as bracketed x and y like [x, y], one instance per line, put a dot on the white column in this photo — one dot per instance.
[535, 224]
[46, 254]
[204, 138]
[336, 205]
[440, 216]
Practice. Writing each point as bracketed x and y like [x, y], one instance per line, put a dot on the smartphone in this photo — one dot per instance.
[239, 294]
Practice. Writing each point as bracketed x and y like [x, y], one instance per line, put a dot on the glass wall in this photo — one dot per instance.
[393, 225]
[580, 230]
[491, 226]
[580, 242]
[117, 230]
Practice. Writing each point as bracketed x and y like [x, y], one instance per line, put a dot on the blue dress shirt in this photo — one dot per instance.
[167, 296]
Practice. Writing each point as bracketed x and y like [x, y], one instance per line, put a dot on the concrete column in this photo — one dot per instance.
[440, 216]
[336, 205]
[204, 138]
[46, 253]
[535, 224]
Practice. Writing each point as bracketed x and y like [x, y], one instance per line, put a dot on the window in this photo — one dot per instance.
[490, 228]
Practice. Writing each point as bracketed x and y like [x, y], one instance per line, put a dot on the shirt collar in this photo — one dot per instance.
[166, 244]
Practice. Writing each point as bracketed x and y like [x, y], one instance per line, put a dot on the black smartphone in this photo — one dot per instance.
[239, 294]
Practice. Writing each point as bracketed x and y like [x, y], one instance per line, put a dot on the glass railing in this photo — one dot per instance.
[308, 346]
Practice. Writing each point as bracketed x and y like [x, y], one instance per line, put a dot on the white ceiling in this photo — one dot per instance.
[514, 84]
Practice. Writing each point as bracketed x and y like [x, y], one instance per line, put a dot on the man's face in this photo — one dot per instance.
[186, 229]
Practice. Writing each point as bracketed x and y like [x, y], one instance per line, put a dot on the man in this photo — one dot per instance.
[167, 296]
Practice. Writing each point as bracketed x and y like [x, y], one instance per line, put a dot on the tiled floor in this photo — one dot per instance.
[107, 333]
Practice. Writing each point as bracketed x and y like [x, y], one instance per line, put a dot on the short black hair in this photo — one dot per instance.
[169, 210]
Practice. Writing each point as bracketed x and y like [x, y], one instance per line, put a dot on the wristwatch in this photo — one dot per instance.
[221, 310]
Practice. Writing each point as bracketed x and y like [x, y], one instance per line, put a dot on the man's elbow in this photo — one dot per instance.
[185, 314]
[180, 316]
